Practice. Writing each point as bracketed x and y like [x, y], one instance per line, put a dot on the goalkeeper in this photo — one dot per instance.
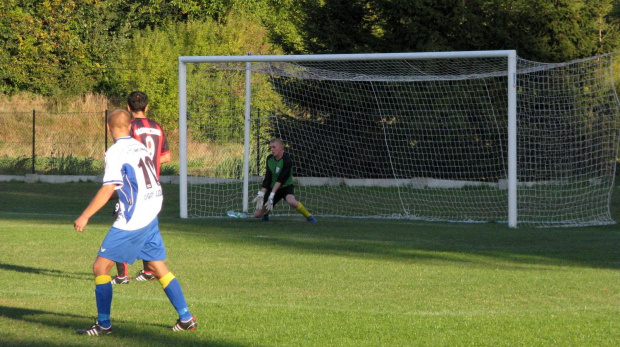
[278, 184]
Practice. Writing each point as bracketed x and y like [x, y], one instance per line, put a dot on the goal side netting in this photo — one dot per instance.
[404, 136]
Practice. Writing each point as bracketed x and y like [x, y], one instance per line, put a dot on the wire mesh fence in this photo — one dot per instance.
[52, 143]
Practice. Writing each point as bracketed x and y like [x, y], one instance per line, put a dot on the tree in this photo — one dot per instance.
[540, 30]
[47, 46]
[152, 55]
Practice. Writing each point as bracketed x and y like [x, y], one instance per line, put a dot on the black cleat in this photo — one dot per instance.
[120, 280]
[143, 276]
[189, 325]
[95, 330]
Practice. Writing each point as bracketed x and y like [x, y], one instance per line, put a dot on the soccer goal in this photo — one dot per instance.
[450, 136]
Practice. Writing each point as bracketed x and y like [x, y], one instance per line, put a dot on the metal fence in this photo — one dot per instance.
[52, 143]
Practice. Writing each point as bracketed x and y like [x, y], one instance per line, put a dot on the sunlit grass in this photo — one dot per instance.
[340, 282]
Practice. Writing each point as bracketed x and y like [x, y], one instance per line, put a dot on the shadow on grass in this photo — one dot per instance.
[490, 245]
[124, 334]
[45, 272]
[394, 240]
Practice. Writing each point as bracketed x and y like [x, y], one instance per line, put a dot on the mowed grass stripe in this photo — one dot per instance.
[340, 282]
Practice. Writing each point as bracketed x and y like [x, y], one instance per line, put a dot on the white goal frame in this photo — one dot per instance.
[511, 97]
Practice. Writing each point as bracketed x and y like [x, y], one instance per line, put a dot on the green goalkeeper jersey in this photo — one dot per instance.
[278, 171]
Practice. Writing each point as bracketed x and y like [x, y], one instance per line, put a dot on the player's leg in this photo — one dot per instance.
[103, 297]
[280, 194]
[173, 291]
[260, 213]
[298, 206]
[154, 252]
[145, 274]
[122, 276]
[103, 289]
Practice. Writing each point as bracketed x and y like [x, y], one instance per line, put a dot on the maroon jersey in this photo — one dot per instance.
[151, 134]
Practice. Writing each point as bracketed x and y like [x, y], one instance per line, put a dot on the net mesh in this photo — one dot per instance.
[410, 139]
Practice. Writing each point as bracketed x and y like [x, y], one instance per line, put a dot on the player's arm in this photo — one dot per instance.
[267, 180]
[276, 187]
[260, 196]
[101, 198]
[272, 196]
[164, 155]
[164, 158]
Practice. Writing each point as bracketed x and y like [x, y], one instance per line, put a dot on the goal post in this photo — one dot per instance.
[447, 132]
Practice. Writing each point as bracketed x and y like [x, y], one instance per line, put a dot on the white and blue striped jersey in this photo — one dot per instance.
[130, 168]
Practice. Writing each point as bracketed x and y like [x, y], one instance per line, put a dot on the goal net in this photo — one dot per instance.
[453, 136]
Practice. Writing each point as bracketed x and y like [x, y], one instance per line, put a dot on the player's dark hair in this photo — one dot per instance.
[137, 101]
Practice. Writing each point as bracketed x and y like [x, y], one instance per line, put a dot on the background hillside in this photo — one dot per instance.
[57, 54]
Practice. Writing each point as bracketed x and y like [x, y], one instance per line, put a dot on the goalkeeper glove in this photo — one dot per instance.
[269, 203]
[258, 200]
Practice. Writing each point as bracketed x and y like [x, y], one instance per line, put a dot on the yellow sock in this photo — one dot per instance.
[103, 279]
[301, 209]
[164, 281]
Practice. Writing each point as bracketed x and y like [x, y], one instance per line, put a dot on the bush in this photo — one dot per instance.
[169, 169]
[70, 165]
[63, 165]
[15, 165]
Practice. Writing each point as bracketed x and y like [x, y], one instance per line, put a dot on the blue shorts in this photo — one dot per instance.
[125, 246]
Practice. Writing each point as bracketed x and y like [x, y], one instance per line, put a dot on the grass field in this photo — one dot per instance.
[340, 282]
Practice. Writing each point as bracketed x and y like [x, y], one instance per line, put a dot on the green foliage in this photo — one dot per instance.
[153, 53]
[47, 49]
[54, 47]
[169, 169]
[63, 48]
[345, 26]
[538, 29]
[136, 15]
[232, 167]
[279, 17]
[15, 165]
[53, 165]
[216, 102]
[70, 165]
